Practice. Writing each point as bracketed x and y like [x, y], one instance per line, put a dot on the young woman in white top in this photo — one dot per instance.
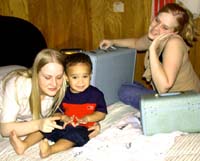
[29, 96]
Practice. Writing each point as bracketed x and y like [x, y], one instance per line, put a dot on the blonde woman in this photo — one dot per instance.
[30, 96]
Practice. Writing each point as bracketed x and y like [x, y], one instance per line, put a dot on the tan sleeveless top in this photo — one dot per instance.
[186, 79]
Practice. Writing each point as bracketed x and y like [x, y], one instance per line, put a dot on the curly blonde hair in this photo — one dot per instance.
[186, 28]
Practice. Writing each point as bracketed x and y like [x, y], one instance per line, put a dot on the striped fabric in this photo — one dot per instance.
[186, 148]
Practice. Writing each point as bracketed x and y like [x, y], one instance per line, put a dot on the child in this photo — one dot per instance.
[81, 95]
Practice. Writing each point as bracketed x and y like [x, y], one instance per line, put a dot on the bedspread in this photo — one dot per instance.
[121, 139]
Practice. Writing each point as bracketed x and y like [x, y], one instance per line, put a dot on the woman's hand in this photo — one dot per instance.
[105, 44]
[49, 124]
[67, 120]
[95, 130]
[161, 39]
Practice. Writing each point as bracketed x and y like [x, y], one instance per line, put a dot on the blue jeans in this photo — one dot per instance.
[131, 93]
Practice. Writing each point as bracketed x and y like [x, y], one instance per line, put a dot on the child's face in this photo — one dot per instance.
[78, 77]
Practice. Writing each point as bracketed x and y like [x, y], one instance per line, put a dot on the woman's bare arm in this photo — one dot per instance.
[24, 128]
[139, 44]
[164, 74]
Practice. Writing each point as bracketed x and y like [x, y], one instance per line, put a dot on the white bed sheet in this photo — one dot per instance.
[121, 139]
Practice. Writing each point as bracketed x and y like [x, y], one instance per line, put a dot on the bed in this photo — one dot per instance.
[121, 136]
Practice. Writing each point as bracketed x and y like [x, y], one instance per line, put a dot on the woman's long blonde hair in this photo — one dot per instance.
[44, 57]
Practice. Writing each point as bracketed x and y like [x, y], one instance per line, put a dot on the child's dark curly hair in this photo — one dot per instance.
[79, 57]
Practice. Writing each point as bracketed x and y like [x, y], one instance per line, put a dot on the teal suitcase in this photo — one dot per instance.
[164, 113]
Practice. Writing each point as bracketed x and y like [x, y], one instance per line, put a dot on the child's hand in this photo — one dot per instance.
[78, 121]
[83, 120]
[95, 130]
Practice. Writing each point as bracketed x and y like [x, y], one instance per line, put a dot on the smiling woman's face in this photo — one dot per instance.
[50, 79]
[163, 23]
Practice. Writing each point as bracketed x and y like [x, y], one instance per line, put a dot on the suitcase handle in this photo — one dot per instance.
[111, 48]
[167, 94]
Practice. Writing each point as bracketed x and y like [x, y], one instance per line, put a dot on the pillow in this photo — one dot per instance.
[6, 69]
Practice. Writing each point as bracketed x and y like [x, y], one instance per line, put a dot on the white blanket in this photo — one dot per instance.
[121, 139]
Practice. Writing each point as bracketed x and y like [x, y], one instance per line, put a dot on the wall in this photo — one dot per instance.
[84, 23]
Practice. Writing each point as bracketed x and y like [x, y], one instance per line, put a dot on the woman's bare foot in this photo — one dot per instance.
[44, 148]
[18, 145]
